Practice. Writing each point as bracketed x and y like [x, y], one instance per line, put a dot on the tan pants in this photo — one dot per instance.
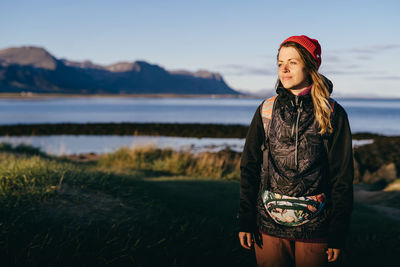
[281, 252]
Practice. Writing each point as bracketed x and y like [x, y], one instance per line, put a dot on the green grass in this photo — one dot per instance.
[129, 209]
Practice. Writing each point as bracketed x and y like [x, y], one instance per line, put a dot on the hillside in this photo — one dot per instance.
[33, 69]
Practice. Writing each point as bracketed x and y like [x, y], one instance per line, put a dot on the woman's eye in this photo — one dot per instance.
[293, 63]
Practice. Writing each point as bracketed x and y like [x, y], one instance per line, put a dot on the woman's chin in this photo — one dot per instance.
[290, 87]
[293, 88]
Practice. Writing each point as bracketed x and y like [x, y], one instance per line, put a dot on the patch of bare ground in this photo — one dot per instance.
[84, 157]
[84, 206]
[385, 202]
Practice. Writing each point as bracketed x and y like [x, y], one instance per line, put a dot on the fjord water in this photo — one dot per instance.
[380, 116]
[366, 115]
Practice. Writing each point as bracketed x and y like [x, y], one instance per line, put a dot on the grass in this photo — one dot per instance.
[223, 164]
[138, 208]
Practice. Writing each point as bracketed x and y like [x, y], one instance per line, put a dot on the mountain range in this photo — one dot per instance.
[33, 69]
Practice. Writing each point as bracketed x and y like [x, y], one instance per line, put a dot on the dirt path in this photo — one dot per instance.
[385, 203]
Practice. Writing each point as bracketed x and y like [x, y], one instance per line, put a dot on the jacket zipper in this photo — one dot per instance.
[293, 126]
[299, 110]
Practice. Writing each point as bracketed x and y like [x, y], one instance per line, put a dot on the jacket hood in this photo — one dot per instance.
[325, 80]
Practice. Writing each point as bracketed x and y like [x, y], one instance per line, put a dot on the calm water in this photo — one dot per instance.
[375, 116]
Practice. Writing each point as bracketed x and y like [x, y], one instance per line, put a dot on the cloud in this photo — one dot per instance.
[331, 58]
[364, 57]
[343, 72]
[235, 69]
[384, 77]
[369, 75]
[341, 67]
[268, 56]
[350, 70]
[365, 52]
[373, 48]
[345, 62]
[351, 66]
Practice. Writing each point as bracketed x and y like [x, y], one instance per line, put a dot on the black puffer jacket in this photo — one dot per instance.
[301, 166]
[297, 161]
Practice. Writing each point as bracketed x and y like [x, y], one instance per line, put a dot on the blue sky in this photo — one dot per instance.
[239, 39]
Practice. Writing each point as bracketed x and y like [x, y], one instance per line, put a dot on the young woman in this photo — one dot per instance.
[296, 190]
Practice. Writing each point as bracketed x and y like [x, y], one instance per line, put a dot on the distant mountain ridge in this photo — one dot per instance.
[30, 68]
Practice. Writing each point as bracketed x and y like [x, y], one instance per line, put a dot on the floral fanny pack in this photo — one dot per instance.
[292, 211]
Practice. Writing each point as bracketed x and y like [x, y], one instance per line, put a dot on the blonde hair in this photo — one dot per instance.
[319, 90]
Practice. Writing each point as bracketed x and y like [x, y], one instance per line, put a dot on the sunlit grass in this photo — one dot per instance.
[223, 164]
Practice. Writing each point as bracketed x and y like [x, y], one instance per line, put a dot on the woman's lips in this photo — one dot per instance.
[286, 78]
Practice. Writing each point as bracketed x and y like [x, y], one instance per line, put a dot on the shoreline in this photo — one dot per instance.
[30, 95]
[199, 130]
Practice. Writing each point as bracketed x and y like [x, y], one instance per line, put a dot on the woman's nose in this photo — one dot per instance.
[285, 67]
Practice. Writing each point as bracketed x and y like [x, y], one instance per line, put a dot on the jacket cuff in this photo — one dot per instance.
[247, 225]
[336, 241]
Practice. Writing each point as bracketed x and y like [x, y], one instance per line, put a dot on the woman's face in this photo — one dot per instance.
[291, 69]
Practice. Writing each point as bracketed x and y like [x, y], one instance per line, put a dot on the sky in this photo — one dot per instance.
[360, 40]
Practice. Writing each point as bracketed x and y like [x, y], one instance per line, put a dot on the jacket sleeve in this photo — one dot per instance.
[340, 156]
[250, 167]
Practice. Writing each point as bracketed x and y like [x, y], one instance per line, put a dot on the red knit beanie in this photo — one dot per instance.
[311, 45]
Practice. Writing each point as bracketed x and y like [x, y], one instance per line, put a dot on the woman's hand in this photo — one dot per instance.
[333, 254]
[246, 239]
